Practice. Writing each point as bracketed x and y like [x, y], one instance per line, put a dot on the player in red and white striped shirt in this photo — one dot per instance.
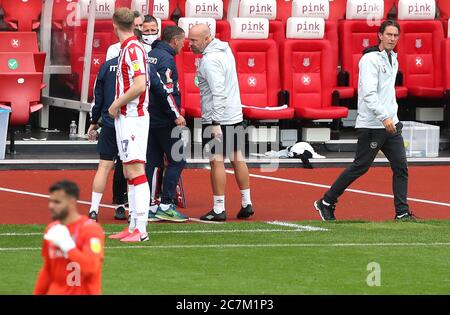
[131, 123]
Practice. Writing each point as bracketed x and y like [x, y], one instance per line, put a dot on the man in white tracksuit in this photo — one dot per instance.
[377, 125]
[221, 119]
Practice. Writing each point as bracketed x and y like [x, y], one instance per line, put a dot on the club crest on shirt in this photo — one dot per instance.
[96, 245]
[373, 145]
[136, 66]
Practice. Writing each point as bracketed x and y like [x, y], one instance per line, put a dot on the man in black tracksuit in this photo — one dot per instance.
[378, 127]
[165, 118]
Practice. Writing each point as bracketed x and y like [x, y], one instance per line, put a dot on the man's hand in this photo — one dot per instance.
[389, 125]
[169, 76]
[113, 110]
[92, 132]
[216, 131]
[180, 121]
[59, 235]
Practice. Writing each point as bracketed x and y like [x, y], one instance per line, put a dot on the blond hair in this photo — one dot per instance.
[124, 19]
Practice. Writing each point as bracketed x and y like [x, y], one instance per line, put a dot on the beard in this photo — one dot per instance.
[60, 216]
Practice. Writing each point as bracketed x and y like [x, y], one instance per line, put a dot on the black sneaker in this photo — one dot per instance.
[326, 212]
[212, 216]
[119, 213]
[405, 217]
[246, 212]
[93, 216]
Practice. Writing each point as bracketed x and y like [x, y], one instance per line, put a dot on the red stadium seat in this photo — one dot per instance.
[223, 30]
[21, 91]
[388, 5]
[259, 78]
[419, 53]
[172, 7]
[190, 94]
[182, 8]
[337, 10]
[17, 62]
[355, 36]
[444, 9]
[284, 10]
[446, 64]
[22, 15]
[446, 24]
[276, 32]
[306, 75]
[61, 10]
[23, 42]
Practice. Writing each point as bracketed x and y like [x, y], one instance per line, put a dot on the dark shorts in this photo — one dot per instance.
[161, 141]
[107, 144]
[232, 140]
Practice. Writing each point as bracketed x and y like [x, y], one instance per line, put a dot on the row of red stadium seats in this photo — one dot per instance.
[21, 75]
[269, 67]
[306, 76]
[24, 15]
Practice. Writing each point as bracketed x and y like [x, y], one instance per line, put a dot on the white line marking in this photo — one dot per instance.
[206, 161]
[221, 246]
[284, 180]
[186, 232]
[21, 192]
[207, 222]
[297, 226]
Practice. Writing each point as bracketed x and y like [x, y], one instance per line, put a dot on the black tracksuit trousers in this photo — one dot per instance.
[370, 141]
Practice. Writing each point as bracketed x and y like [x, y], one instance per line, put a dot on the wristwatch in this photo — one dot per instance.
[215, 123]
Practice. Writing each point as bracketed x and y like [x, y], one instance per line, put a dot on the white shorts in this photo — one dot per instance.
[132, 135]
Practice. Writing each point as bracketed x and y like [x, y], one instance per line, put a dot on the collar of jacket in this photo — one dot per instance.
[160, 44]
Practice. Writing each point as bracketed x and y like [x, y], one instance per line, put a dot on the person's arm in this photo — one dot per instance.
[136, 63]
[163, 93]
[369, 89]
[44, 278]
[368, 74]
[91, 255]
[98, 97]
[215, 75]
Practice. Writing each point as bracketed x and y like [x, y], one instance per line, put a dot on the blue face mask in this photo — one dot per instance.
[149, 38]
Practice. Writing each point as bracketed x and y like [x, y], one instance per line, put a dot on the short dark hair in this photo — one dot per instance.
[150, 18]
[388, 23]
[170, 32]
[137, 14]
[70, 188]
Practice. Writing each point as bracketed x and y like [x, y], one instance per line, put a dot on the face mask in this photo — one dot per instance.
[149, 38]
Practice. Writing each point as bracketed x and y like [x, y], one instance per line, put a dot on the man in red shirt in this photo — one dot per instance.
[72, 248]
[131, 121]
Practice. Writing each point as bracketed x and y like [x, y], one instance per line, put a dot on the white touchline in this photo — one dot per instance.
[21, 192]
[298, 229]
[284, 180]
[207, 222]
[223, 246]
[297, 226]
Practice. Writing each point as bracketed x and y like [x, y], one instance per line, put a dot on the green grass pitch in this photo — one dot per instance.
[255, 258]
